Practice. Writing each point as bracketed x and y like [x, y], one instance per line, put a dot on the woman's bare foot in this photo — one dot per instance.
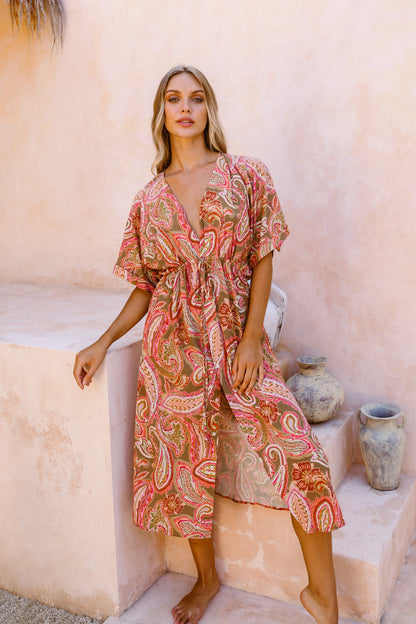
[323, 611]
[192, 606]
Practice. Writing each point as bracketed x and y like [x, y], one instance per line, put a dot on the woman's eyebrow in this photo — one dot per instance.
[192, 92]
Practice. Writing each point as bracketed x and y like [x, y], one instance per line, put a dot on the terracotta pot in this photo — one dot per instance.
[318, 393]
[382, 440]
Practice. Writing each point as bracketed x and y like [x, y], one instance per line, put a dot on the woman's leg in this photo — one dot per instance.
[320, 596]
[192, 606]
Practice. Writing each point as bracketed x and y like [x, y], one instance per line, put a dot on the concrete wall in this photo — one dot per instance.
[322, 90]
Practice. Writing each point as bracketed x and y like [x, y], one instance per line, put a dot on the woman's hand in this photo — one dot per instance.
[248, 359]
[87, 363]
[247, 364]
[88, 360]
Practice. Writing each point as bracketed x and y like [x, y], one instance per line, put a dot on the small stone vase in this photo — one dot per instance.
[382, 440]
[319, 395]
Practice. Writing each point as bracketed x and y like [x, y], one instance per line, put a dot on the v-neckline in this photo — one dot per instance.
[182, 209]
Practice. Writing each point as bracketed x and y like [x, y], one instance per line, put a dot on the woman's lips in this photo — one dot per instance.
[185, 122]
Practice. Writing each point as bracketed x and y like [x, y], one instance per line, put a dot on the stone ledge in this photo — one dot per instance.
[64, 318]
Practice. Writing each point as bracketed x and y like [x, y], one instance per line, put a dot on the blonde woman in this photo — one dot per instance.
[213, 413]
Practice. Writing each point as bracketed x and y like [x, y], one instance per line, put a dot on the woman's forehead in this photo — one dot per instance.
[184, 82]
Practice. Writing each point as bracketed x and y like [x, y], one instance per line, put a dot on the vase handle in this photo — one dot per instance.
[401, 424]
[360, 420]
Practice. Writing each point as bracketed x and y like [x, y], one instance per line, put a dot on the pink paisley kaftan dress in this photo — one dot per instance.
[193, 433]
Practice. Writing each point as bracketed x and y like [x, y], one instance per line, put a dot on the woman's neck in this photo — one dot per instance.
[188, 155]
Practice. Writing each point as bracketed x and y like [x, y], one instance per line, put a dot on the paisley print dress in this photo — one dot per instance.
[195, 435]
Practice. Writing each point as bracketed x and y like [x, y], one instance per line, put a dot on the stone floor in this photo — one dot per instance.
[231, 606]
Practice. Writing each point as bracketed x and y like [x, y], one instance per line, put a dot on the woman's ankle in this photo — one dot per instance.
[208, 578]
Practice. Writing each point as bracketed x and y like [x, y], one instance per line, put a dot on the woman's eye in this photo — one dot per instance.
[198, 100]
[172, 99]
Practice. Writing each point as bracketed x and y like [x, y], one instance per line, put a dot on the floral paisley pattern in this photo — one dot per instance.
[194, 435]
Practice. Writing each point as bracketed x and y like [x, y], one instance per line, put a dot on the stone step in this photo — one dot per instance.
[370, 550]
[230, 606]
[258, 552]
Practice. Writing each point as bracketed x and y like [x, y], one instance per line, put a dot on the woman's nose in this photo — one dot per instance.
[186, 107]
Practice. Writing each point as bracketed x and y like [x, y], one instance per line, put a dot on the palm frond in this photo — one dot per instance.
[35, 13]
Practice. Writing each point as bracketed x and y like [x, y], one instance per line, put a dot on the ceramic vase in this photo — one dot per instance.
[318, 393]
[382, 440]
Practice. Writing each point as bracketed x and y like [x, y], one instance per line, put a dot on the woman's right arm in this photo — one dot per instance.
[89, 359]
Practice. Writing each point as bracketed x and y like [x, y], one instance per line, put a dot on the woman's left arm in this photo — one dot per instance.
[248, 359]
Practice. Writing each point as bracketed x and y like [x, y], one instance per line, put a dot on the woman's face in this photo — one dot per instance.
[185, 107]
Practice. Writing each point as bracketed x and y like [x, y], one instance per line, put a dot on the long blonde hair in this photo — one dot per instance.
[214, 135]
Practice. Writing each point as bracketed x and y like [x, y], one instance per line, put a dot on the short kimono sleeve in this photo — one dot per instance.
[267, 219]
[129, 264]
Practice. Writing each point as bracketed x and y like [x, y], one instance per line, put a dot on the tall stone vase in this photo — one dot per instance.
[382, 441]
[318, 393]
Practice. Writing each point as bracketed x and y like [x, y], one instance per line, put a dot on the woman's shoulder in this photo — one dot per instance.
[248, 166]
[151, 190]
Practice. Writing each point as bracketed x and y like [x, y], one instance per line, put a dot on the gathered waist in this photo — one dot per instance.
[205, 266]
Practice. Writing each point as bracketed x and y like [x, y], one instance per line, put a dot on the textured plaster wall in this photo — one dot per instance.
[55, 480]
[322, 90]
[66, 463]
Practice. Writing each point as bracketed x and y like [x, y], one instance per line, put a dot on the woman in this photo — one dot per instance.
[212, 411]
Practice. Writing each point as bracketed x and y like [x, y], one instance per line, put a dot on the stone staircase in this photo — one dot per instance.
[65, 474]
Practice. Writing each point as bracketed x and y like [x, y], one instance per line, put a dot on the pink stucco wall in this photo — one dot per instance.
[322, 91]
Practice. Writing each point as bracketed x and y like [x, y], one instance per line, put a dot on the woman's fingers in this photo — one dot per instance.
[252, 380]
[79, 372]
[234, 368]
[246, 377]
[89, 373]
[261, 375]
[238, 373]
[247, 366]
[243, 375]
[87, 362]
[250, 376]
[83, 372]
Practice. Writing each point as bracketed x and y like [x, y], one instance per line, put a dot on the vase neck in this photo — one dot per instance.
[311, 369]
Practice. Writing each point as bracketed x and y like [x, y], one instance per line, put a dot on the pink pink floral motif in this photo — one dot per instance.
[269, 410]
[172, 504]
[180, 335]
[308, 478]
[226, 315]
